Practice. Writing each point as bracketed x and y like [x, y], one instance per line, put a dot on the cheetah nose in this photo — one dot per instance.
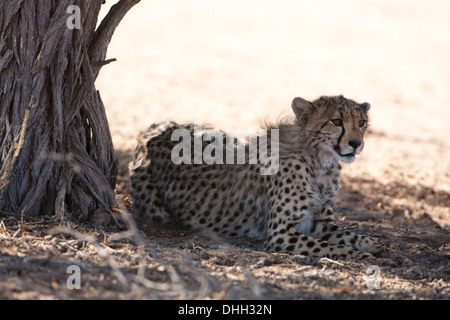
[354, 144]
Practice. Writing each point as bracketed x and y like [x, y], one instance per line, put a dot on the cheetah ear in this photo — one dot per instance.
[365, 106]
[302, 108]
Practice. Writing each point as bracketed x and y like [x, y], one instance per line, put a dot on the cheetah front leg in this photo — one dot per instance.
[331, 232]
[285, 236]
[323, 227]
[297, 243]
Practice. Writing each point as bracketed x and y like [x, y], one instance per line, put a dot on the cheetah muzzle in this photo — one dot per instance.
[291, 210]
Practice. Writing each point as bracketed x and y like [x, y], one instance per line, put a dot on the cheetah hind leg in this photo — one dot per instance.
[148, 208]
[156, 215]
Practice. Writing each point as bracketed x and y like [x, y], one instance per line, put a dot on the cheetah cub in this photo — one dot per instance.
[291, 210]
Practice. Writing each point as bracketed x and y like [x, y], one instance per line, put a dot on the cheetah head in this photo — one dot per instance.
[336, 125]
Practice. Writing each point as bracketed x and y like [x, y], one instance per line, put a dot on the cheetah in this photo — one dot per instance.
[290, 210]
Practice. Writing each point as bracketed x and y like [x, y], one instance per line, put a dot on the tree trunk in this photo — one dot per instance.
[56, 152]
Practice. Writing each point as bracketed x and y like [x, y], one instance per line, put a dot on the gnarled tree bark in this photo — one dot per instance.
[56, 151]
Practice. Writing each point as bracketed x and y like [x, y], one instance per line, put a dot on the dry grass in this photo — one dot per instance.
[232, 66]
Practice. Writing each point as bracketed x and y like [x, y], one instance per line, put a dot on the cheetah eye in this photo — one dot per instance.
[362, 123]
[336, 122]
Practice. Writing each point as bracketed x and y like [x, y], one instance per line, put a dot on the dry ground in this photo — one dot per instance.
[232, 65]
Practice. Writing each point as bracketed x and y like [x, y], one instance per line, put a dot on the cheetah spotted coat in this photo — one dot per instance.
[290, 210]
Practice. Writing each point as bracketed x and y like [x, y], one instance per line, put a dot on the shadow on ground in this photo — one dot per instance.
[164, 263]
[403, 217]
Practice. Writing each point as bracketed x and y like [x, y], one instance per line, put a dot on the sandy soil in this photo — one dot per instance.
[233, 65]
